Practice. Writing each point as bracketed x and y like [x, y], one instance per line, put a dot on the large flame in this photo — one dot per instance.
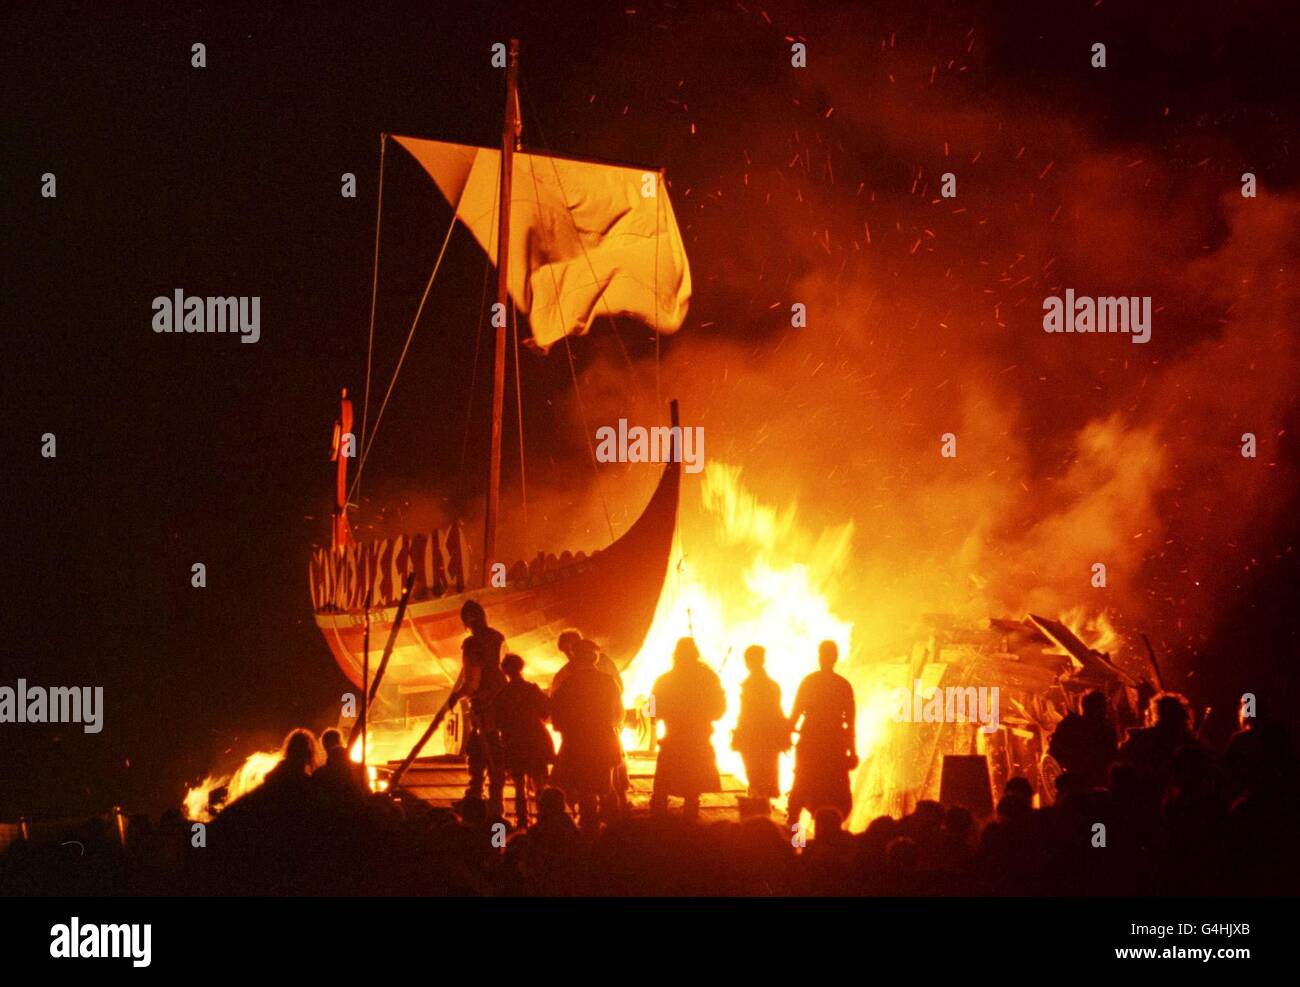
[758, 577]
[251, 773]
[754, 589]
[1095, 629]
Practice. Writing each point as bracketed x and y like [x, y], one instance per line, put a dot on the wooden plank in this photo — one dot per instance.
[441, 784]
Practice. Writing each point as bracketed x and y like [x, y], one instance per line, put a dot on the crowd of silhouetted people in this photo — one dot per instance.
[1152, 812]
[1178, 819]
[507, 736]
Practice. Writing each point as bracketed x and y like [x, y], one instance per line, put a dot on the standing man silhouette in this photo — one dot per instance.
[587, 710]
[522, 710]
[481, 680]
[567, 644]
[688, 699]
[570, 642]
[762, 729]
[827, 748]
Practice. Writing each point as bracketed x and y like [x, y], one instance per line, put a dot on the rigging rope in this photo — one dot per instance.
[582, 411]
[478, 343]
[374, 293]
[659, 397]
[573, 373]
[405, 348]
[613, 320]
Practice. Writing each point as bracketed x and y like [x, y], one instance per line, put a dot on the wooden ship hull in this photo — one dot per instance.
[611, 596]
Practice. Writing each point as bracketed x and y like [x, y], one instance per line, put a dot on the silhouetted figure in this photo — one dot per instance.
[569, 642]
[957, 850]
[551, 811]
[604, 663]
[829, 855]
[521, 713]
[1258, 758]
[1014, 806]
[1195, 818]
[473, 814]
[552, 847]
[621, 780]
[1020, 787]
[1245, 761]
[762, 729]
[1264, 820]
[831, 838]
[268, 833]
[567, 645]
[688, 699]
[481, 680]
[339, 778]
[823, 713]
[587, 710]
[615, 805]
[1151, 750]
[1084, 743]
[902, 860]
[292, 775]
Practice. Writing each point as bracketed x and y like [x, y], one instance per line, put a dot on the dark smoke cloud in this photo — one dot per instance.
[925, 318]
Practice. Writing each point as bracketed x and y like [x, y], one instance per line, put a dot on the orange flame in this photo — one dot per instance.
[248, 776]
[762, 595]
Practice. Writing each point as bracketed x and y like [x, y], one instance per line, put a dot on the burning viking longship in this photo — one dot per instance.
[577, 239]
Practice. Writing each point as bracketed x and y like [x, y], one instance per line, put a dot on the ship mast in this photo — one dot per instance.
[509, 140]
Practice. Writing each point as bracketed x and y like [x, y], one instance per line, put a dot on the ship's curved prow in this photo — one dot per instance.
[610, 595]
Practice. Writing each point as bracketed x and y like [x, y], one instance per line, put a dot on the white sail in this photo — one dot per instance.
[586, 239]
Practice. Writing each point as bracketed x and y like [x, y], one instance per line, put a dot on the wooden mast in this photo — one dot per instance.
[509, 137]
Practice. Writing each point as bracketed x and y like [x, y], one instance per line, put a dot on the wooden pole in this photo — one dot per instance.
[370, 693]
[365, 683]
[436, 722]
[509, 134]
[1155, 665]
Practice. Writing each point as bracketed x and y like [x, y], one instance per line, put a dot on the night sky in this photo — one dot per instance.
[225, 181]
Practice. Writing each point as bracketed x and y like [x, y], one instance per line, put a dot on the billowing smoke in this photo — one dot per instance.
[924, 319]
